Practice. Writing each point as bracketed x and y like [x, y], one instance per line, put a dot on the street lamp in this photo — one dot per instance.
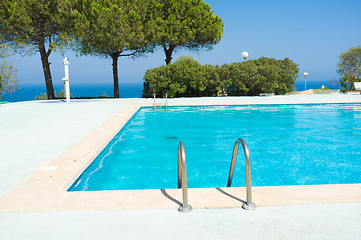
[245, 55]
[305, 74]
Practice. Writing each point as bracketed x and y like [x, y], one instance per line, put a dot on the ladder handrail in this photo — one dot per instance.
[249, 205]
[154, 102]
[166, 101]
[182, 178]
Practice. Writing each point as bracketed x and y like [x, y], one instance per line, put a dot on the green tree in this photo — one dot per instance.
[8, 79]
[263, 75]
[189, 24]
[350, 62]
[31, 26]
[212, 81]
[184, 78]
[4, 48]
[234, 76]
[112, 29]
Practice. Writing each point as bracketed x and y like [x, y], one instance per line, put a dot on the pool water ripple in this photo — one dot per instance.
[289, 145]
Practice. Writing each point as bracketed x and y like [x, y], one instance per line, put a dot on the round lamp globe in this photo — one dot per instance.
[245, 55]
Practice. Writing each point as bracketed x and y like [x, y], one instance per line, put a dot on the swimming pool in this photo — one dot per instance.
[289, 145]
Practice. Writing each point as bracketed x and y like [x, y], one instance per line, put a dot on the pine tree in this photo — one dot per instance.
[30, 26]
[112, 29]
[189, 24]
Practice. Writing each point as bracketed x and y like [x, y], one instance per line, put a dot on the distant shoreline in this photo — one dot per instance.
[28, 92]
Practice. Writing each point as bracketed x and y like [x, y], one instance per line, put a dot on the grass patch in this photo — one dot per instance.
[321, 91]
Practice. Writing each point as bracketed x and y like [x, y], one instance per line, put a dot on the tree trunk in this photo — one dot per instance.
[115, 74]
[168, 53]
[46, 69]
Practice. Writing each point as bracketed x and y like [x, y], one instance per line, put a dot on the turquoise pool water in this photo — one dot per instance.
[289, 145]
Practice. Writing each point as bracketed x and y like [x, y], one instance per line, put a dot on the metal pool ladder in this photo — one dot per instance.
[249, 205]
[182, 178]
[166, 101]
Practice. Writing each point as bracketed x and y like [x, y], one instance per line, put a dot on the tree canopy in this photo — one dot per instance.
[263, 75]
[350, 62]
[30, 26]
[189, 24]
[111, 29]
[8, 79]
[4, 49]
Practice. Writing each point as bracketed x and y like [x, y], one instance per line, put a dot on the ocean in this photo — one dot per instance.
[126, 90]
[316, 84]
[29, 92]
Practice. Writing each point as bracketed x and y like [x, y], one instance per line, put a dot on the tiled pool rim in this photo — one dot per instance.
[46, 190]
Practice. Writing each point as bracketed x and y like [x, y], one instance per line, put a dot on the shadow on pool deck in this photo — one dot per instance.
[230, 195]
[164, 192]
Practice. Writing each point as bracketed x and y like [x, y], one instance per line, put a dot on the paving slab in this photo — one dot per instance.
[331, 222]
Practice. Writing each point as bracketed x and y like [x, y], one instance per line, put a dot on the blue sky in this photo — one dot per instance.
[311, 33]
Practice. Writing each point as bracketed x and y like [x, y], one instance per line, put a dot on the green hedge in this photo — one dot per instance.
[347, 82]
[187, 78]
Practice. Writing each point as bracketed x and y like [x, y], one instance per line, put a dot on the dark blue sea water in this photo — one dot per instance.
[126, 90]
[316, 84]
[29, 92]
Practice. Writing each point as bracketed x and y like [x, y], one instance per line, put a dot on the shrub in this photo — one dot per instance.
[187, 78]
[347, 83]
[184, 78]
[61, 95]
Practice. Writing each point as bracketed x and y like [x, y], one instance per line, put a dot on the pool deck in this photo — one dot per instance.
[45, 145]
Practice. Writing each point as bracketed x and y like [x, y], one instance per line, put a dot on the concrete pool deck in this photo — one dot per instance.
[40, 134]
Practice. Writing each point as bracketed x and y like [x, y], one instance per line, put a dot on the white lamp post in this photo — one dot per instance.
[245, 55]
[305, 74]
[66, 79]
